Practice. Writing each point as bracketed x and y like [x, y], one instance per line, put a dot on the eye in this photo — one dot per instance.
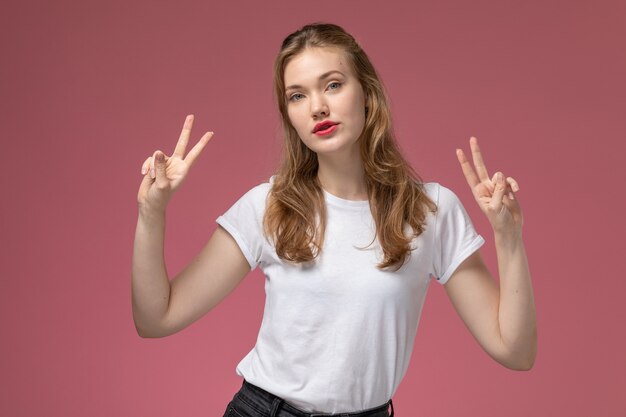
[292, 97]
[339, 84]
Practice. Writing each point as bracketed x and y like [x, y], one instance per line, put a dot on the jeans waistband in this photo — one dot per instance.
[273, 403]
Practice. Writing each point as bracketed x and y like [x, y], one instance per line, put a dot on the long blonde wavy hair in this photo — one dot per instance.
[295, 215]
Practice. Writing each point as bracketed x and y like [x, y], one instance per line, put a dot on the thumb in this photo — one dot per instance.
[159, 167]
[500, 188]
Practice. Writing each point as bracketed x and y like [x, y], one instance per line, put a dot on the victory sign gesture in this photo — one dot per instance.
[495, 195]
[164, 174]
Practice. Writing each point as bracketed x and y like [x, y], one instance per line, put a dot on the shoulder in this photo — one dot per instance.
[431, 189]
[438, 193]
[255, 198]
[442, 195]
[259, 192]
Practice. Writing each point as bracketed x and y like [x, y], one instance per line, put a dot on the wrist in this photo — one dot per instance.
[151, 213]
[509, 239]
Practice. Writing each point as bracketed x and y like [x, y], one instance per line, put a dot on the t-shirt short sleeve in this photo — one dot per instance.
[243, 220]
[456, 238]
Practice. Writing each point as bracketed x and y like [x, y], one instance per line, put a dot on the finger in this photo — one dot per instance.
[499, 190]
[147, 179]
[470, 175]
[512, 196]
[151, 167]
[152, 162]
[509, 188]
[492, 184]
[145, 165]
[161, 177]
[184, 137]
[479, 163]
[513, 183]
[195, 151]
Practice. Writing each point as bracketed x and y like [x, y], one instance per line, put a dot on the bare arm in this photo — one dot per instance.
[517, 316]
[150, 284]
[502, 319]
[211, 276]
[161, 308]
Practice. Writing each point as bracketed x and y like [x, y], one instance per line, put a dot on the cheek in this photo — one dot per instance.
[357, 105]
[293, 117]
[294, 120]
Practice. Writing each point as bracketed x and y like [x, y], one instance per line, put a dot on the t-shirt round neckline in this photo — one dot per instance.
[342, 202]
[337, 201]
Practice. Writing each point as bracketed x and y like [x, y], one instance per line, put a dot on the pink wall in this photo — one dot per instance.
[90, 89]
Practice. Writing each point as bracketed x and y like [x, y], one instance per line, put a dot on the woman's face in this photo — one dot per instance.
[337, 97]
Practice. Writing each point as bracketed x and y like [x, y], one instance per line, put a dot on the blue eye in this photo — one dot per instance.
[335, 83]
[292, 98]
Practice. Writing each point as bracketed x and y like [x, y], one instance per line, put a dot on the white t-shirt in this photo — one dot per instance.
[338, 336]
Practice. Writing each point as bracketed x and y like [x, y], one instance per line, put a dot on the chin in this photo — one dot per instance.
[331, 146]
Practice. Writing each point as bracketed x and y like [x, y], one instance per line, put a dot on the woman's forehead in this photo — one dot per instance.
[312, 63]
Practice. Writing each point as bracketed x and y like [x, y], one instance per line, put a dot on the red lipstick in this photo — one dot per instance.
[323, 125]
[329, 129]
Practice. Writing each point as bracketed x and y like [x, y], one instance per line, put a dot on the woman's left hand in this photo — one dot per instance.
[495, 197]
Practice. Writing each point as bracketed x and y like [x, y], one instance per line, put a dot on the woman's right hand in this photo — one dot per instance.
[164, 174]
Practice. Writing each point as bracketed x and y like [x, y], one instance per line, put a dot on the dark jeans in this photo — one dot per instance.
[253, 401]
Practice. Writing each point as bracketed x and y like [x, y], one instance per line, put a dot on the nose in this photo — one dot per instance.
[319, 107]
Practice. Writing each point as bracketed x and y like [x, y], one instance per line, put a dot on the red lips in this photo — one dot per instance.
[323, 125]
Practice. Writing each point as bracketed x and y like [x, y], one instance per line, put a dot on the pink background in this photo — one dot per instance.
[90, 89]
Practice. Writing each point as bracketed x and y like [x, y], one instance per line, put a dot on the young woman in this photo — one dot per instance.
[348, 237]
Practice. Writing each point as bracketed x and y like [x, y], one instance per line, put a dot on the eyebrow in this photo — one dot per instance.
[324, 75]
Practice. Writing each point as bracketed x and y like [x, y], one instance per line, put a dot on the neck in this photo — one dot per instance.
[343, 176]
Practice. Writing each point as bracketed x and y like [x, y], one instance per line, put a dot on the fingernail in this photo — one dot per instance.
[143, 170]
[511, 196]
[152, 172]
